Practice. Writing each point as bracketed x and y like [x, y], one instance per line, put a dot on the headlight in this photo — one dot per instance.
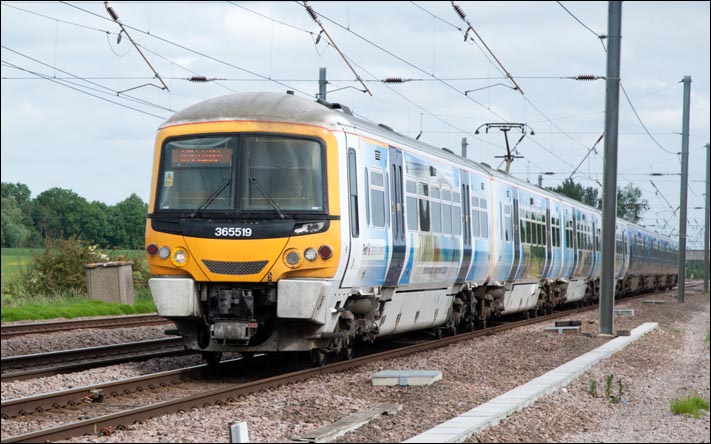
[309, 227]
[180, 257]
[164, 252]
[292, 258]
[310, 254]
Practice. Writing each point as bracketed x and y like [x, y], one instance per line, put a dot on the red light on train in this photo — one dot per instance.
[325, 251]
[152, 249]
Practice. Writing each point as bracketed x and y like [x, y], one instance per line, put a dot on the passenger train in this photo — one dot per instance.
[279, 224]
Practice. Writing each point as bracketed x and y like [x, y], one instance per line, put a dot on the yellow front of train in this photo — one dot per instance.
[243, 231]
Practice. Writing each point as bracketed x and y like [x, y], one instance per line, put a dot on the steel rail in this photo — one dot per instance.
[9, 331]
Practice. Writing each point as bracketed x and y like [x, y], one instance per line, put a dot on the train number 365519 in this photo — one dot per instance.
[233, 232]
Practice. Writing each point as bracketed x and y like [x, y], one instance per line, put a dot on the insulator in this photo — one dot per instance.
[461, 13]
[198, 79]
[394, 80]
[586, 77]
[112, 13]
[312, 13]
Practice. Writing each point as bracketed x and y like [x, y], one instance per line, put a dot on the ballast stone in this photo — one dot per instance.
[406, 377]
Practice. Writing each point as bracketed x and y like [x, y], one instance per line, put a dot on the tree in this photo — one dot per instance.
[587, 195]
[60, 214]
[128, 222]
[19, 192]
[15, 231]
[17, 227]
[630, 204]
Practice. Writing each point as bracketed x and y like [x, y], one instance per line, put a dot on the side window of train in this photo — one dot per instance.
[436, 210]
[484, 219]
[424, 206]
[446, 211]
[456, 214]
[476, 230]
[411, 202]
[506, 221]
[377, 199]
[353, 192]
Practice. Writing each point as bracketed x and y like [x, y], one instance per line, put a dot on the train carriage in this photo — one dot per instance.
[281, 224]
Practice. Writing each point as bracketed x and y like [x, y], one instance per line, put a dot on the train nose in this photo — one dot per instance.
[236, 260]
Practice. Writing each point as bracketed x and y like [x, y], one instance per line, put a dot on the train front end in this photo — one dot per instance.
[243, 236]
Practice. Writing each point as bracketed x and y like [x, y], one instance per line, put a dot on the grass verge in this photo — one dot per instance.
[72, 306]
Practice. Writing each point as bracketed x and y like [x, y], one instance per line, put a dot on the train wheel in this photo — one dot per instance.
[318, 357]
[347, 351]
[212, 358]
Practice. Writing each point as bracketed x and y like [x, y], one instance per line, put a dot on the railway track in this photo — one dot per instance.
[105, 424]
[10, 331]
[52, 363]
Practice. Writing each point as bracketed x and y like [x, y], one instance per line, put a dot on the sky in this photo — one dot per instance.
[81, 107]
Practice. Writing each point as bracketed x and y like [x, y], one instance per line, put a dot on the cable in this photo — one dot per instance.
[642, 123]
[194, 51]
[134, 99]
[314, 16]
[79, 90]
[463, 16]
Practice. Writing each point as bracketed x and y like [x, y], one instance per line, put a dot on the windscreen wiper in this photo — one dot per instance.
[266, 196]
[211, 197]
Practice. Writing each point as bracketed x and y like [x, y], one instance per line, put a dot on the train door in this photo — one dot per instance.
[482, 212]
[556, 243]
[568, 227]
[502, 205]
[466, 228]
[516, 235]
[548, 240]
[365, 182]
[397, 257]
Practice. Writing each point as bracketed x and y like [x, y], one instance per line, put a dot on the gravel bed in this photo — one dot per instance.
[66, 381]
[81, 338]
[665, 364]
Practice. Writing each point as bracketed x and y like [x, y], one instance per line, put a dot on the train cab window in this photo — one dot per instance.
[197, 174]
[377, 199]
[282, 172]
[424, 206]
[411, 202]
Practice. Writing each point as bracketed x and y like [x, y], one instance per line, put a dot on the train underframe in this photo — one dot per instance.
[240, 318]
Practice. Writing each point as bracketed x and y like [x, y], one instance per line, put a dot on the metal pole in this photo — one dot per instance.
[540, 181]
[707, 264]
[322, 84]
[609, 189]
[684, 187]
[464, 147]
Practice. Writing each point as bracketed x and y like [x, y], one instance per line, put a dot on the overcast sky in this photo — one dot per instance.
[80, 110]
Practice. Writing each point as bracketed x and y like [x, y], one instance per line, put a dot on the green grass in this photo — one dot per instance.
[690, 406]
[13, 259]
[72, 306]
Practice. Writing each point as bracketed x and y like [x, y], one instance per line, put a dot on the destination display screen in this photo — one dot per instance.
[187, 157]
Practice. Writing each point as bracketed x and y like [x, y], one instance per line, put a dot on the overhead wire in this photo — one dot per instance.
[126, 96]
[183, 47]
[80, 90]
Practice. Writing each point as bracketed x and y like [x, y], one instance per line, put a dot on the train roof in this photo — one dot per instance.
[271, 106]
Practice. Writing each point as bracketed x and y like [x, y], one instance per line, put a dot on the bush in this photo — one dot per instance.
[59, 270]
